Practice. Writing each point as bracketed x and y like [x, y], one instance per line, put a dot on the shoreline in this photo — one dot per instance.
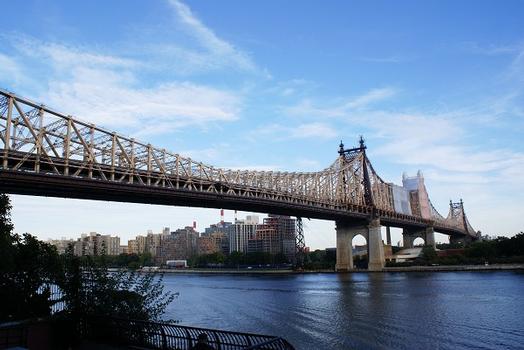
[443, 268]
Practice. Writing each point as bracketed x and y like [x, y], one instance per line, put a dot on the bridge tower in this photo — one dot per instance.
[458, 214]
[300, 243]
[370, 229]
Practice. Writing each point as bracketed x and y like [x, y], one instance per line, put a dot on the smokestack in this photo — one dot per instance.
[222, 216]
[194, 225]
[235, 216]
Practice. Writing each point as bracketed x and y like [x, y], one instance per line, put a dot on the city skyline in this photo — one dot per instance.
[240, 95]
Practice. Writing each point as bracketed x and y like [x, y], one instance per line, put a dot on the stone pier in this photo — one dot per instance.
[344, 248]
[375, 246]
[427, 234]
[371, 232]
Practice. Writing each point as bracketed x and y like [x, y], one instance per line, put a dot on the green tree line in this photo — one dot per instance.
[236, 259]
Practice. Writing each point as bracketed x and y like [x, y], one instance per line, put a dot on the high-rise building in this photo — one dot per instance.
[207, 245]
[61, 244]
[221, 241]
[97, 244]
[266, 240]
[179, 245]
[275, 236]
[241, 232]
[132, 246]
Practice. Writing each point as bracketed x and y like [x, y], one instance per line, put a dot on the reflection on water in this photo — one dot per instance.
[463, 310]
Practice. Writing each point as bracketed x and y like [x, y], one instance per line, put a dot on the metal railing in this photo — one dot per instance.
[50, 333]
[162, 335]
[13, 334]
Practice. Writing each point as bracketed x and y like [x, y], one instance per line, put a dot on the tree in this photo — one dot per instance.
[27, 267]
[91, 289]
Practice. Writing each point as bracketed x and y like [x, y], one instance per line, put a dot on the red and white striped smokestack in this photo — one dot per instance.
[222, 216]
[194, 225]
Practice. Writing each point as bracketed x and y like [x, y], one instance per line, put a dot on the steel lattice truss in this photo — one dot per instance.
[36, 139]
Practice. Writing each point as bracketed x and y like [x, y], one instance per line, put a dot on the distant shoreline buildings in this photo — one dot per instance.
[275, 235]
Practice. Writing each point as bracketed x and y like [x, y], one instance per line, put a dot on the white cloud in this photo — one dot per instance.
[278, 132]
[217, 52]
[317, 130]
[489, 50]
[388, 59]
[341, 109]
[106, 90]
[369, 98]
[110, 98]
[10, 70]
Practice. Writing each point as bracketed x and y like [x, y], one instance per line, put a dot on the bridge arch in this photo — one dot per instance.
[419, 241]
[360, 249]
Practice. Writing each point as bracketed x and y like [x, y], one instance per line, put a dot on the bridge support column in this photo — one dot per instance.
[407, 239]
[344, 248]
[430, 237]
[375, 246]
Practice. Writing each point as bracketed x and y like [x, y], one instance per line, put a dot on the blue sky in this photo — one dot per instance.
[434, 85]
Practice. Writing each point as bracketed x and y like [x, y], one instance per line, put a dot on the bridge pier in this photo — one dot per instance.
[344, 248]
[375, 246]
[371, 232]
[427, 234]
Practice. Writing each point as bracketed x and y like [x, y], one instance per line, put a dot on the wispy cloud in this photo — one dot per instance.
[342, 108]
[279, 132]
[216, 52]
[491, 49]
[105, 89]
[105, 97]
[318, 130]
[388, 59]
[11, 70]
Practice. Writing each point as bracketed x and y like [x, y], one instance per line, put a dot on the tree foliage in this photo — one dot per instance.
[91, 288]
[236, 259]
[28, 267]
[498, 247]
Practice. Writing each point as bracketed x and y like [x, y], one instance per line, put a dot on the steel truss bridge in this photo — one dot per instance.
[47, 153]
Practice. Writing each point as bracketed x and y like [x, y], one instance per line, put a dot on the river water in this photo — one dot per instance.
[443, 310]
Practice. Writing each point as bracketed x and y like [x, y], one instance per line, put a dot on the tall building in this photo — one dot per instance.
[207, 245]
[266, 240]
[61, 244]
[150, 243]
[275, 236]
[241, 232]
[179, 245]
[221, 241]
[97, 244]
[132, 246]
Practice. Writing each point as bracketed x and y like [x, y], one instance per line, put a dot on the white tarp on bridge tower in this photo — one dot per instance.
[401, 200]
[418, 195]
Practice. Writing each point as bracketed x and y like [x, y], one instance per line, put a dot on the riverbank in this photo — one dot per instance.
[455, 268]
[440, 268]
[228, 271]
